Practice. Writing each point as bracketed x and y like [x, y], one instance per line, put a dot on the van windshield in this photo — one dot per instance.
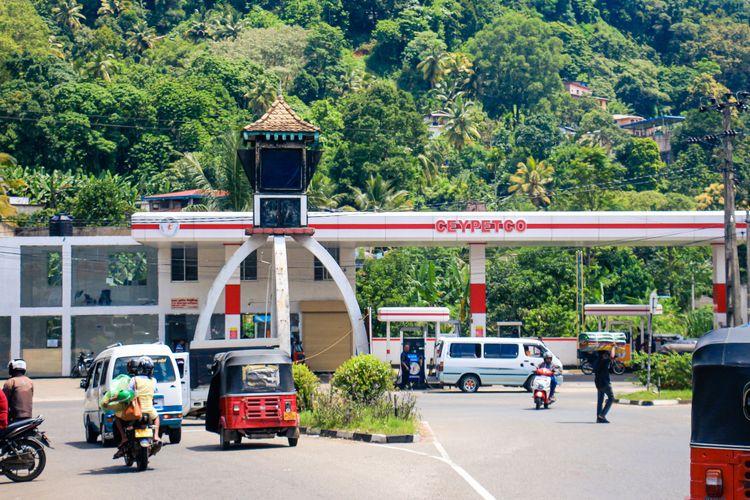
[163, 369]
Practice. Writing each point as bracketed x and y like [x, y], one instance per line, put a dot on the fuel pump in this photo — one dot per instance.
[416, 354]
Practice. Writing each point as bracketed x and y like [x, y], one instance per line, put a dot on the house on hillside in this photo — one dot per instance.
[177, 201]
[581, 89]
[659, 129]
[435, 122]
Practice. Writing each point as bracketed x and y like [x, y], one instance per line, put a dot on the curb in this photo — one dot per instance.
[657, 402]
[360, 436]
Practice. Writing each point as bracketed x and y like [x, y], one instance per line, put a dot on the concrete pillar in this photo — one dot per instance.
[477, 290]
[281, 295]
[720, 285]
[232, 300]
[66, 318]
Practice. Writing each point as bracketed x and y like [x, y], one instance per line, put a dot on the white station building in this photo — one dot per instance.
[68, 294]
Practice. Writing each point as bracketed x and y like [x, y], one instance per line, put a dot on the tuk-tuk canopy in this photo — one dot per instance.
[721, 387]
[254, 357]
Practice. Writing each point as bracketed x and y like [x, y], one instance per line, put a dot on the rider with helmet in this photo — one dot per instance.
[19, 391]
[550, 365]
[132, 368]
[144, 386]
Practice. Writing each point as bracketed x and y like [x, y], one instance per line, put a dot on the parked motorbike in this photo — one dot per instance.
[22, 456]
[83, 364]
[140, 443]
[541, 387]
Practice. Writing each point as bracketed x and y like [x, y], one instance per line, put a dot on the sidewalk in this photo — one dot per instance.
[48, 390]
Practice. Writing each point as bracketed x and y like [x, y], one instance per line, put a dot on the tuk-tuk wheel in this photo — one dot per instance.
[293, 442]
[224, 439]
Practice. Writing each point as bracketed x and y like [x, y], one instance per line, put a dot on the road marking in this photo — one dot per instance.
[445, 458]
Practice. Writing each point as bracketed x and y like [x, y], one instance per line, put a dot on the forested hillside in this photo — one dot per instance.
[105, 101]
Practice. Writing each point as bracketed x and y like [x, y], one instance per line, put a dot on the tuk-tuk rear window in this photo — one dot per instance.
[163, 369]
[256, 378]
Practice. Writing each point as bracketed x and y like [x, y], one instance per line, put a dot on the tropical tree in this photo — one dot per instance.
[113, 7]
[261, 95]
[457, 285]
[424, 284]
[531, 179]
[432, 66]
[141, 38]
[101, 66]
[379, 196]
[322, 192]
[68, 13]
[228, 26]
[198, 31]
[225, 183]
[459, 125]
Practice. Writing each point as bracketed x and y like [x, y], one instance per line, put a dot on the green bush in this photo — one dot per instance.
[363, 378]
[306, 384]
[668, 371]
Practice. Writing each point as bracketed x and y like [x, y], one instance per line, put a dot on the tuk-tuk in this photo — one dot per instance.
[720, 431]
[252, 395]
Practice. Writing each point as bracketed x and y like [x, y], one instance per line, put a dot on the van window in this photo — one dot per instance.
[465, 350]
[533, 350]
[163, 370]
[97, 374]
[181, 367]
[105, 368]
[438, 348]
[501, 351]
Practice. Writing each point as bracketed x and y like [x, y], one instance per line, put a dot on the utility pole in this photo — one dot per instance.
[653, 301]
[725, 106]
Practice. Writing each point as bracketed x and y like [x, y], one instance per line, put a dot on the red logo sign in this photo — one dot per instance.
[480, 226]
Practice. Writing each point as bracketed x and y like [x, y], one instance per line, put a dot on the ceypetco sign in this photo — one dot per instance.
[480, 226]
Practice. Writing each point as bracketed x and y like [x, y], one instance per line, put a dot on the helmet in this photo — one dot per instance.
[145, 366]
[548, 356]
[17, 365]
[133, 366]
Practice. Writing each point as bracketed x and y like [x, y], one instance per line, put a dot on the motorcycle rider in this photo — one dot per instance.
[3, 411]
[132, 368]
[549, 365]
[144, 386]
[19, 390]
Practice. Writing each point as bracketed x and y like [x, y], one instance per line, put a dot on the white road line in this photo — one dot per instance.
[444, 457]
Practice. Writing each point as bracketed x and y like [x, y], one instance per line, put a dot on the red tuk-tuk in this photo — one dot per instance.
[252, 395]
[720, 433]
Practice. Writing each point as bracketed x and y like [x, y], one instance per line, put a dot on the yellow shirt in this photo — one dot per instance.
[144, 388]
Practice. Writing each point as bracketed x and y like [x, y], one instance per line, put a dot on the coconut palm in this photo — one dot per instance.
[531, 179]
[101, 66]
[228, 26]
[379, 196]
[261, 95]
[228, 187]
[322, 193]
[68, 13]
[199, 30]
[113, 7]
[140, 38]
[432, 66]
[459, 125]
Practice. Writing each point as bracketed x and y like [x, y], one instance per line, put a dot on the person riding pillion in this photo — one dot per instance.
[19, 391]
[144, 386]
[555, 369]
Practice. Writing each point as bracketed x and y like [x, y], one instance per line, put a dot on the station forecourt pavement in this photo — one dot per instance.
[491, 444]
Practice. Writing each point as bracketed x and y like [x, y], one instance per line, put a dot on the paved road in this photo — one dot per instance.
[491, 442]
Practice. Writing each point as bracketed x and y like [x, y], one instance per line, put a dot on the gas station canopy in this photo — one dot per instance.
[429, 314]
[619, 309]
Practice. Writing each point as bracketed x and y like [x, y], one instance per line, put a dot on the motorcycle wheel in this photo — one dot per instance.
[538, 403]
[28, 446]
[129, 461]
[141, 457]
[546, 406]
[586, 368]
[618, 368]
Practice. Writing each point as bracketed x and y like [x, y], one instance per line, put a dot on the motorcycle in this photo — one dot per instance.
[541, 387]
[140, 445]
[83, 364]
[22, 456]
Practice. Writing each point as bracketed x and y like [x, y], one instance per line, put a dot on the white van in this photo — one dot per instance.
[112, 362]
[471, 362]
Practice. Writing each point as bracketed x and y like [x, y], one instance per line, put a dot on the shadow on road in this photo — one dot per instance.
[578, 423]
[82, 445]
[120, 468]
[236, 447]
[498, 391]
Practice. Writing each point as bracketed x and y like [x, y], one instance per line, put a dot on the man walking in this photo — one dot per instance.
[603, 386]
[19, 390]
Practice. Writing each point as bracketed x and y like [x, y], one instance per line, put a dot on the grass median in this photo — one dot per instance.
[682, 394]
[366, 421]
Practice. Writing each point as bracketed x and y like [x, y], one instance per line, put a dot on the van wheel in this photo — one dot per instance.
[469, 383]
[175, 435]
[91, 434]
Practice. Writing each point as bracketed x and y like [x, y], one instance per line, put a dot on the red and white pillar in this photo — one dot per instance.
[720, 284]
[232, 298]
[477, 290]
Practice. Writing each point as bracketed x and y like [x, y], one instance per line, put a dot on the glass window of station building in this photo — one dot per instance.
[114, 276]
[41, 345]
[4, 341]
[95, 333]
[41, 276]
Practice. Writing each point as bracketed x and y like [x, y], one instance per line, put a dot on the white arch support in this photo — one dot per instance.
[350, 299]
[204, 320]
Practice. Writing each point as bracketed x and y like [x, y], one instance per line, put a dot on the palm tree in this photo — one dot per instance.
[198, 31]
[457, 281]
[228, 26]
[140, 38]
[228, 187]
[459, 125]
[113, 7]
[321, 193]
[531, 179]
[261, 95]
[101, 66]
[379, 196]
[68, 13]
[432, 66]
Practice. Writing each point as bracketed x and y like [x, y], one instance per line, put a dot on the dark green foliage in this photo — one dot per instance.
[363, 378]
[668, 371]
